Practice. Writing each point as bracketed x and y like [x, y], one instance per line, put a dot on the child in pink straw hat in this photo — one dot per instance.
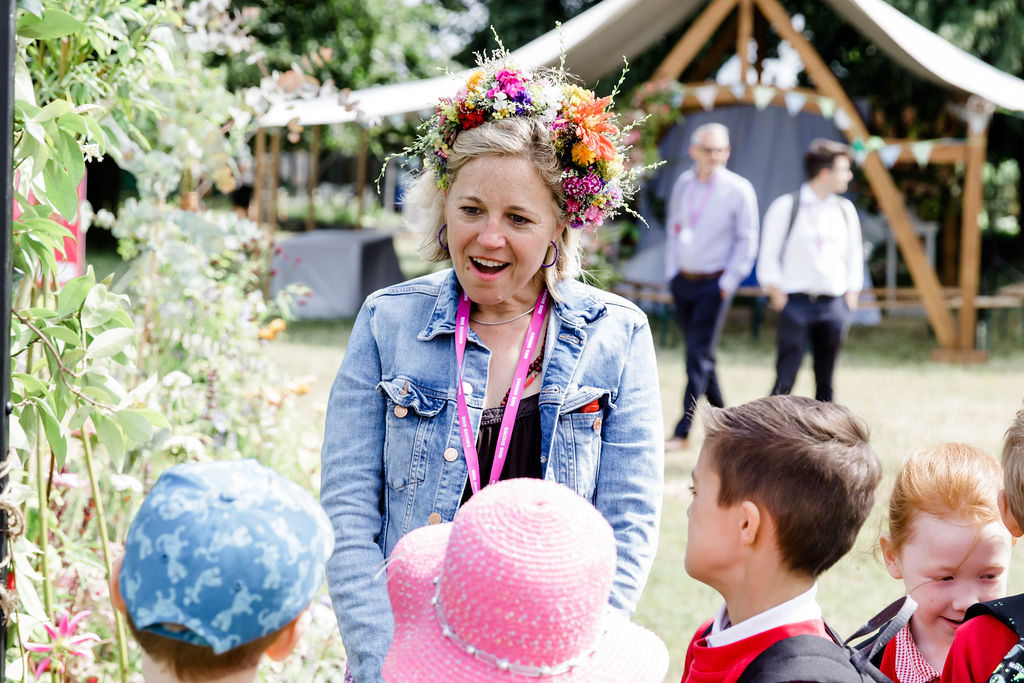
[515, 589]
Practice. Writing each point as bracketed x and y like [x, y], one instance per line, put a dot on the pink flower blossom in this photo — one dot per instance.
[63, 643]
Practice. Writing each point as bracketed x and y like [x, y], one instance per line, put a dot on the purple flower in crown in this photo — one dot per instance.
[574, 187]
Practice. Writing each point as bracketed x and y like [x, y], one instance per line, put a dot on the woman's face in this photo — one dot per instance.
[501, 219]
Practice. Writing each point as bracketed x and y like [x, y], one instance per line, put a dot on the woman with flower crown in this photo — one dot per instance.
[504, 365]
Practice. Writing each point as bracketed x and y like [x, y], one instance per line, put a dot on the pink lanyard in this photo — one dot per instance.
[697, 212]
[515, 393]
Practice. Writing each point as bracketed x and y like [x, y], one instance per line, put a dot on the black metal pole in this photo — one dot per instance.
[6, 218]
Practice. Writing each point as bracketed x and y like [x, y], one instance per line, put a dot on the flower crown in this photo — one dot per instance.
[586, 140]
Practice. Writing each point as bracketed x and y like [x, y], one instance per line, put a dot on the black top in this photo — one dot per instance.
[523, 457]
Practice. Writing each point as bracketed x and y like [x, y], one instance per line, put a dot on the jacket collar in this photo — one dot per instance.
[574, 305]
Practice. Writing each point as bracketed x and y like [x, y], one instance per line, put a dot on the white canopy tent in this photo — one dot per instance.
[596, 41]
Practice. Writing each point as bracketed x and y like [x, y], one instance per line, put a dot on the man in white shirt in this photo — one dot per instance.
[712, 227]
[812, 266]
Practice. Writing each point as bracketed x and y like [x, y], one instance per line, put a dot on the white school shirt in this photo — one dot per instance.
[824, 253]
[803, 607]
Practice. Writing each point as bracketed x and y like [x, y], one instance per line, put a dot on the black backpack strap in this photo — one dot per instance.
[1008, 610]
[802, 658]
[792, 220]
[879, 630]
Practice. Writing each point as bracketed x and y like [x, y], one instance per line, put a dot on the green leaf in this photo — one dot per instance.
[56, 438]
[74, 123]
[65, 334]
[111, 437]
[154, 417]
[54, 23]
[77, 420]
[136, 426]
[29, 421]
[72, 294]
[18, 440]
[33, 6]
[108, 343]
[53, 110]
[32, 384]
[96, 133]
[99, 307]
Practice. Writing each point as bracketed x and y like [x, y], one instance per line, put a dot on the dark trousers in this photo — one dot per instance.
[700, 312]
[822, 321]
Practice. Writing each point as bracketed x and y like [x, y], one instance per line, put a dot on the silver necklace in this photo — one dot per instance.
[502, 322]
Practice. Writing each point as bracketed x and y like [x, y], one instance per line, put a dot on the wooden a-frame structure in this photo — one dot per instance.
[956, 338]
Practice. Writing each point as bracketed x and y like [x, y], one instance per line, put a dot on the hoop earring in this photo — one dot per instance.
[548, 265]
[439, 242]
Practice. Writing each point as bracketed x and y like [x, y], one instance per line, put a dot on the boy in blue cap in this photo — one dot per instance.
[220, 564]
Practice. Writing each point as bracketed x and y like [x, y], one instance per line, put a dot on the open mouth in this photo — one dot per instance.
[487, 266]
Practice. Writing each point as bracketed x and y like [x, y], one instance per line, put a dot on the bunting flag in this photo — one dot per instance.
[827, 106]
[677, 97]
[875, 143]
[738, 90]
[706, 95]
[795, 102]
[922, 151]
[859, 150]
[977, 121]
[763, 95]
[842, 120]
[889, 154]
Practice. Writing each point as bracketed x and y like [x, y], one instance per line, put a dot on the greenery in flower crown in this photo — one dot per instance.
[583, 132]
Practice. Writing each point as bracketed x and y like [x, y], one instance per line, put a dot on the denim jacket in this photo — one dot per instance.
[392, 415]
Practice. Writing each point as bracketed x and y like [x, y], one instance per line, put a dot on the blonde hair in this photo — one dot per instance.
[1013, 468]
[196, 663]
[948, 480]
[526, 138]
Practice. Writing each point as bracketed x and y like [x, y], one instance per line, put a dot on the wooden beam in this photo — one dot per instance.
[314, 176]
[889, 198]
[744, 35]
[945, 152]
[761, 34]
[713, 58]
[699, 33]
[260, 174]
[970, 237]
[275, 176]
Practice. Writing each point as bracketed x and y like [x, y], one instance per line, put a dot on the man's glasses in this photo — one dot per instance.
[713, 150]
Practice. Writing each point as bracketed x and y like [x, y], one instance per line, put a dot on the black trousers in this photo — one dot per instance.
[820, 321]
[700, 312]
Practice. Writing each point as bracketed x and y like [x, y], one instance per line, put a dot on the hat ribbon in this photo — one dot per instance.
[502, 663]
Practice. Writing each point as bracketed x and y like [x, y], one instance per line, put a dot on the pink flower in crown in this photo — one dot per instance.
[594, 215]
[572, 206]
[63, 644]
[511, 82]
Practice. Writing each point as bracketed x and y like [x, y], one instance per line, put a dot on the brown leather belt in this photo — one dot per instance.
[700, 277]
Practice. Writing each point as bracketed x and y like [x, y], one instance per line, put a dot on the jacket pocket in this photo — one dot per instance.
[411, 420]
[580, 424]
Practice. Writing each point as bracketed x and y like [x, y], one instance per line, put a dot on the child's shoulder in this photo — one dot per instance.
[982, 641]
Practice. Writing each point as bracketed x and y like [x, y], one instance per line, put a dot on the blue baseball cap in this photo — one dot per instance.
[223, 553]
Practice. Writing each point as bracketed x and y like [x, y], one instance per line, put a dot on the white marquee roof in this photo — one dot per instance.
[596, 41]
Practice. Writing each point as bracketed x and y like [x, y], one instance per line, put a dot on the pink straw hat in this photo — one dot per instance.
[515, 589]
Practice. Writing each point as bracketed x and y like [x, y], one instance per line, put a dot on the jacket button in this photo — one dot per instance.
[401, 411]
[597, 424]
[434, 518]
[451, 455]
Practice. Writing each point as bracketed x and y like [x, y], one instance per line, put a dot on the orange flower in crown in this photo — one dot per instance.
[591, 121]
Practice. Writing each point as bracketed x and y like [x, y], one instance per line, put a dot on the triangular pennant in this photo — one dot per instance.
[977, 121]
[842, 120]
[889, 154]
[875, 143]
[738, 90]
[795, 102]
[922, 151]
[677, 97]
[827, 106]
[706, 95]
[859, 154]
[763, 95]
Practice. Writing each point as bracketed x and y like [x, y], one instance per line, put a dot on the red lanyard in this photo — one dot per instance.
[515, 393]
[697, 212]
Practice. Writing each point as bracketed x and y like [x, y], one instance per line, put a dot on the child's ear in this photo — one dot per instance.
[750, 522]
[891, 557]
[288, 638]
[116, 599]
[1009, 521]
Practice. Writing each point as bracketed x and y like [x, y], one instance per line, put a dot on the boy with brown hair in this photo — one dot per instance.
[781, 488]
[219, 566]
[987, 644]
